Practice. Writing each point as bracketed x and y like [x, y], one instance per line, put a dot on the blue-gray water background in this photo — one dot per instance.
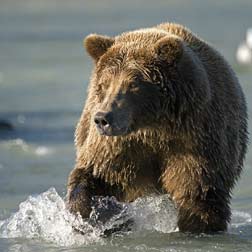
[44, 72]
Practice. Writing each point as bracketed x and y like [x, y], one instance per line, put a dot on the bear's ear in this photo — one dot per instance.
[169, 48]
[97, 45]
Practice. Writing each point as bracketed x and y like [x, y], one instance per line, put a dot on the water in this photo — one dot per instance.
[43, 77]
[44, 218]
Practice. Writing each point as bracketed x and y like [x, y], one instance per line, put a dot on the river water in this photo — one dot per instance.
[44, 73]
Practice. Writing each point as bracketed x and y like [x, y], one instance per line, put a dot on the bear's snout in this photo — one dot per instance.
[103, 122]
[109, 124]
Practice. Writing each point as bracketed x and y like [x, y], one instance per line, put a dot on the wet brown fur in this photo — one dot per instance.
[188, 135]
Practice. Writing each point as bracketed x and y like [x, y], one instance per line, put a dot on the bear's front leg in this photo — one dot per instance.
[204, 214]
[80, 191]
[201, 198]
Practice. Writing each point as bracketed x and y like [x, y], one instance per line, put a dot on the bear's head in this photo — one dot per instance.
[144, 79]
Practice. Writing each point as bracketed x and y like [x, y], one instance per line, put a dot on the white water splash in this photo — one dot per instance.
[154, 213]
[240, 218]
[45, 217]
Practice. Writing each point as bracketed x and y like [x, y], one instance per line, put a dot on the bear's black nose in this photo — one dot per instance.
[103, 120]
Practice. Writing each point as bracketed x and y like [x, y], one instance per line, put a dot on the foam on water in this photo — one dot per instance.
[45, 217]
[19, 145]
[240, 218]
[42, 151]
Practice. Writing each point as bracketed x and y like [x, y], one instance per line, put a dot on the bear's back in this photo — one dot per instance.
[221, 77]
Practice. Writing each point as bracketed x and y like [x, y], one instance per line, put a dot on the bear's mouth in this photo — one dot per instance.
[113, 131]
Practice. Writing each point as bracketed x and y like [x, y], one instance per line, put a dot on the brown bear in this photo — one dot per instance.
[164, 114]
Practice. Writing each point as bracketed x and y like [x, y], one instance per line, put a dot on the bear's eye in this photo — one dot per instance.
[134, 86]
